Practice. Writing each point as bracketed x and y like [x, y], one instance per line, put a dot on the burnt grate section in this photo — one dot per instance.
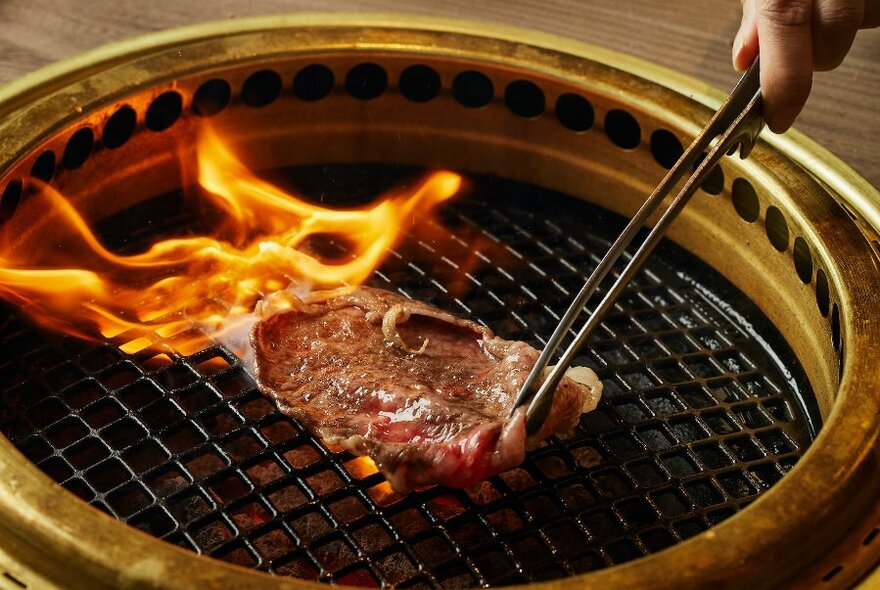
[695, 423]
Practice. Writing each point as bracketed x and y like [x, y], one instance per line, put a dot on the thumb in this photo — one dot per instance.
[745, 44]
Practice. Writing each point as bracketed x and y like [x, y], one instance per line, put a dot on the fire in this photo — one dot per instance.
[260, 246]
[383, 494]
[361, 467]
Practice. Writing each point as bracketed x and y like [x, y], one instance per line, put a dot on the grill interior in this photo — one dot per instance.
[705, 407]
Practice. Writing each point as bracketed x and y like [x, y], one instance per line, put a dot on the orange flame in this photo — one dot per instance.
[361, 467]
[260, 247]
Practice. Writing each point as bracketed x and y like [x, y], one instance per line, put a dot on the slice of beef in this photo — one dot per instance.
[425, 394]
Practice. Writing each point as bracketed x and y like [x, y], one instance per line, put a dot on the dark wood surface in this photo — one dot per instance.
[692, 36]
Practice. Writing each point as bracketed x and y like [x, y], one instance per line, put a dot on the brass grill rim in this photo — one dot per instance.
[27, 480]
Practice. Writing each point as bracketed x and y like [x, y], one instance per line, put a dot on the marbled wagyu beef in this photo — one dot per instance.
[425, 394]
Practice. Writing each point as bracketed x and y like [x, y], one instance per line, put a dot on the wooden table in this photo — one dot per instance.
[693, 36]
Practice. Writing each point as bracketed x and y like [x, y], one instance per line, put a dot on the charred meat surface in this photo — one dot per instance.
[425, 394]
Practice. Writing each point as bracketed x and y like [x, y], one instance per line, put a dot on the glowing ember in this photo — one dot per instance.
[361, 467]
[383, 494]
[208, 281]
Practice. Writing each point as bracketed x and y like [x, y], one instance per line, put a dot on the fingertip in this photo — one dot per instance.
[744, 54]
[735, 50]
[783, 100]
[779, 122]
[824, 61]
[737, 53]
[745, 44]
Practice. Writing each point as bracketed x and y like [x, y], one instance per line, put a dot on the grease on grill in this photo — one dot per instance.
[695, 423]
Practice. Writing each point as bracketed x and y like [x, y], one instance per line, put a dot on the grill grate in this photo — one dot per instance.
[696, 420]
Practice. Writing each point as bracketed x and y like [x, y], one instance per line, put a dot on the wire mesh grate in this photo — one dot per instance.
[696, 421]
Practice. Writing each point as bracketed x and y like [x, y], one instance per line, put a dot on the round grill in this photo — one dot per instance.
[719, 363]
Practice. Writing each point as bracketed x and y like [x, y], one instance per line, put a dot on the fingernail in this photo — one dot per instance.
[738, 43]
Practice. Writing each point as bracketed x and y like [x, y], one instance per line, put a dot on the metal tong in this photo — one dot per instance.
[736, 123]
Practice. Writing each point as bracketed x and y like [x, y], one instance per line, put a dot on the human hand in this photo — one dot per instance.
[796, 38]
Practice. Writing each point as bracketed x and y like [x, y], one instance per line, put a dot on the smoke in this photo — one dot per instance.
[235, 335]
[234, 332]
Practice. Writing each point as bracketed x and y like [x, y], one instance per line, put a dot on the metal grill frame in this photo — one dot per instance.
[691, 430]
[702, 554]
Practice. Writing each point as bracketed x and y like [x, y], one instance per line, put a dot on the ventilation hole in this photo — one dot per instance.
[834, 571]
[261, 88]
[78, 148]
[119, 127]
[840, 363]
[835, 327]
[745, 200]
[666, 148]
[212, 97]
[803, 261]
[870, 537]
[313, 82]
[10, 200]
[164, 111]
[777, 228]
[623, 129]
[419, 83]
[472, 89]
[574, 112]
[44, 166]
[524, 98]
[366, 81]
[823, 298]
[714, 182]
